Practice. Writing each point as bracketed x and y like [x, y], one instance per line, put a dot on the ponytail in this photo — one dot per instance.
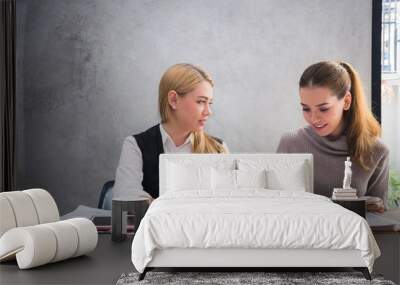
[361, 127]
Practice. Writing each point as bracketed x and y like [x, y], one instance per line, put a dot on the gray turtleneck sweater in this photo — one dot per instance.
[329, 158]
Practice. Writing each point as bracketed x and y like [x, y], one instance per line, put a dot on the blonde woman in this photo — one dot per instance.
[340, 125]
[185, 98]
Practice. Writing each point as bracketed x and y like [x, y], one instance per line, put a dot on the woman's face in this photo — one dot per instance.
[323, 110]
[193, 109]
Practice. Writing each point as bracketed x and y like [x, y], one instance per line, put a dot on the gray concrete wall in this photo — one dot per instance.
[88, 73]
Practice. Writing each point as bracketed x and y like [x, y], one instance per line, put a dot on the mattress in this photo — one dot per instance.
[251, 219]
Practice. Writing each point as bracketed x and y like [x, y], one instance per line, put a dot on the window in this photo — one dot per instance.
[390, 92]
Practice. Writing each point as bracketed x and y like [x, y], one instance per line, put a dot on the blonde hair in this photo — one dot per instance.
[361, 127]
[183, 78]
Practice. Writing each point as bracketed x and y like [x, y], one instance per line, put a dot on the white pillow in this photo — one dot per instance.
[224, 179]
[255, 178]
[281, 174]
[293, 180]
[227, 179]
[182, 177]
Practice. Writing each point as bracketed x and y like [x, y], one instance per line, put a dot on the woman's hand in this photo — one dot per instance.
[375, 204]
[375, 208]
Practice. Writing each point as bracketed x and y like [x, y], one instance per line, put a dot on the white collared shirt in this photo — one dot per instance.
[129, 174]
[169, 145]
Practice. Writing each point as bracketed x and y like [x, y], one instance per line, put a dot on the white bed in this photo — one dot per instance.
[247, 210]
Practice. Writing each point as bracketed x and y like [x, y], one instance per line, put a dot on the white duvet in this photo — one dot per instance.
[250, 218]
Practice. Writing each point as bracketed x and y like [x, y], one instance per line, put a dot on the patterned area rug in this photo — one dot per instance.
[229, 278]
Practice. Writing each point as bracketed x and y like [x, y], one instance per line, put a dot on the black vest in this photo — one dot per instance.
[151, 146]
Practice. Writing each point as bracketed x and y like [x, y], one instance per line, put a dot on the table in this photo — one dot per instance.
[110, 259]
[358, 205]
[104, 265]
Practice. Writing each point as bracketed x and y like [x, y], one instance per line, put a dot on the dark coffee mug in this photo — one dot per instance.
[121, 210]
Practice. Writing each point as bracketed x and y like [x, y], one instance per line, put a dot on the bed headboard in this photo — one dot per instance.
[286, 171]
